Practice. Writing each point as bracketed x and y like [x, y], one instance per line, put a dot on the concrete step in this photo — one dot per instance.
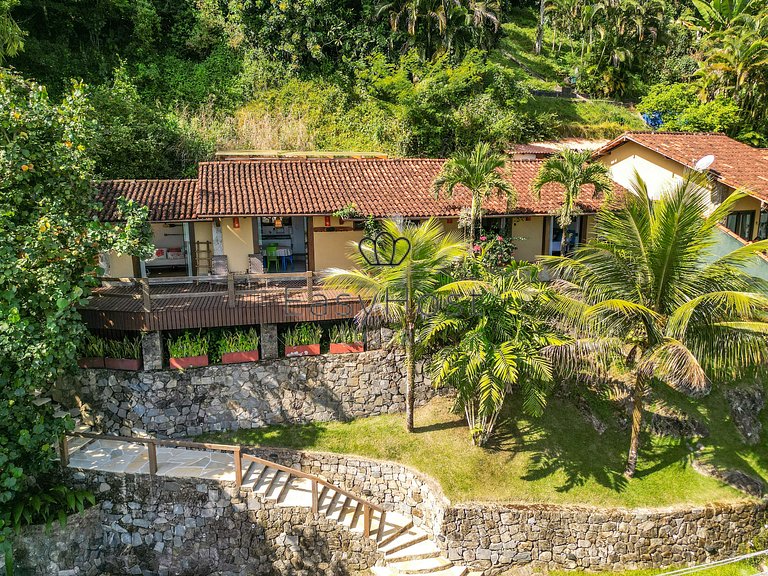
[425, 549]
[382, 571]
[299, 494]
[264, 482]
[397, 529]
[452, 571]
[278, 482]
[422, 565]
[405, 540]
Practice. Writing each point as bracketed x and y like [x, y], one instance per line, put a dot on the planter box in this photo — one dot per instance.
[303, 350]
[189, 362]
[238, 357]
[346, 347]
[90, 362]
[122, 363]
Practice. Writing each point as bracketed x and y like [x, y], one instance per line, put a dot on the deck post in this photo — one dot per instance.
[152, 452]
[366, 520]
[238, 467]
[310, 294]
[63, 451]
[145, 297]
[314, 497]
[231, 290]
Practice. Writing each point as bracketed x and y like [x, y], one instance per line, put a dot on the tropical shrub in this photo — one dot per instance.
[238, 341]
[188, 345]
[497, 251]
[302, 334]
[345, 334]
[92, 346]
[492, 343]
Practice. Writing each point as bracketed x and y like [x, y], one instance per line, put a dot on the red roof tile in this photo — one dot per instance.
[381, 187]
[536, 149]
[736, 165]
[168, 200]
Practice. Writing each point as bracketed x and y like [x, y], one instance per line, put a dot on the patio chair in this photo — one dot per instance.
[271, 252]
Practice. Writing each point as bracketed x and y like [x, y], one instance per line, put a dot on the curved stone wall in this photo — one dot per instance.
[496, 537]
[171, 403]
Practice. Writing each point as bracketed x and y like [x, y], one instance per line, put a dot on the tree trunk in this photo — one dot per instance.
[410, 365]
[563, 241]
[637, 422]
[473, 220]
[540, 28]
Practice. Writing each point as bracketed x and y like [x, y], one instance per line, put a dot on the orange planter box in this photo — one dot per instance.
[303, 350]
[91, 362]
[346, 347]
[238, 357]
[122, 364]
[189, 362]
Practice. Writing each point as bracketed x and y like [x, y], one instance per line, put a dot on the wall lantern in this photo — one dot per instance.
[235, 222]
[278, 222]
[327, 220]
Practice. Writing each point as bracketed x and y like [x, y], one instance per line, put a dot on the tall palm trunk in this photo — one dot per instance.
[410, 365]
[637, 421]
[540, 28]
[563, 240]
[473, 220]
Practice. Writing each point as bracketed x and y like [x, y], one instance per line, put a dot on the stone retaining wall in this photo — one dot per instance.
[498, 537]
[161, 526]
[171, 403]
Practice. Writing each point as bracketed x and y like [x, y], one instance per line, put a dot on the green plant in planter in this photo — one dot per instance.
[188, 345]
[92, 346]
[345, 334]
[302, 334]
[238, 341]
[128, 348]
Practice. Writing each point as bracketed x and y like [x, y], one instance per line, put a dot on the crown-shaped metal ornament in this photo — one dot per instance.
[381, 250]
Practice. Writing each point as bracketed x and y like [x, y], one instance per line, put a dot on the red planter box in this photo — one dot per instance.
[238, 357]
[346, 348]
[303, 350]
[189, 362]
[90, 362]
[122, 364]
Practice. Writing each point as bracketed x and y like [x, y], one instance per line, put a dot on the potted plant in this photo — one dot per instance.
[346, 338]
[92, 350]
[124, 354]
[239, 346]
[303, 340]
[188, 351]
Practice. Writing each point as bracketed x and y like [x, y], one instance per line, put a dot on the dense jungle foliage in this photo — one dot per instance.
[172, 81]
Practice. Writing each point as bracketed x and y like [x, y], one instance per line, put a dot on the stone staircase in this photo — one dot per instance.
[407, 549]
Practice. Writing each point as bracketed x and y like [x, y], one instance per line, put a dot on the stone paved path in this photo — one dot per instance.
[407, 549]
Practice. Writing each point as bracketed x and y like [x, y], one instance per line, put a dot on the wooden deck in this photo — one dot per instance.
[205, 302]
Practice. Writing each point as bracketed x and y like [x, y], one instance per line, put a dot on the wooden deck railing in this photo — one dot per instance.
[237, 452]
[236, 285]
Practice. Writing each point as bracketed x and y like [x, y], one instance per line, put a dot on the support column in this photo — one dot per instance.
[269, 344]
[152, 350]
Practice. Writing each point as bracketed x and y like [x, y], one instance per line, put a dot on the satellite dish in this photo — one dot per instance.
[704, 163]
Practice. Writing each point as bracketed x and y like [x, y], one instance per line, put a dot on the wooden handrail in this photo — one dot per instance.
[153, 443]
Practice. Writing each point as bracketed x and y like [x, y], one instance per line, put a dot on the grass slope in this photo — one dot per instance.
[545, 71]
[744, 568]
[558, 458]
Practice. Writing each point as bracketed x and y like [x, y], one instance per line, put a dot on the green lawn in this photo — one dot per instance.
[744, 568]
[558, 458]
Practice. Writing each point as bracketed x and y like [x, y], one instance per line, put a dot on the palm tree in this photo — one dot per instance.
[649, 292]
[492, 344]
[478, 171]
[572, 170]
[401, 292]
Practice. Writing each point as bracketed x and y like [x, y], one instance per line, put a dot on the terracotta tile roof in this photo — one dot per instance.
[736, 165]
[536, 149]
[381, 187]
[168, 200]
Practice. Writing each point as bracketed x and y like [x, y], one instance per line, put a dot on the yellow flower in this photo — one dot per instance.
[24, 167]
[44, 226]
[68, 144]
[80, 147]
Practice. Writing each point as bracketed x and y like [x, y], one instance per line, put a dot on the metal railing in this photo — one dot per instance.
[367, 508]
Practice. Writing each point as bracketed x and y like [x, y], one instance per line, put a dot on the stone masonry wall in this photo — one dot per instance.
[190, 527]
[498, 537]
[171, 403]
